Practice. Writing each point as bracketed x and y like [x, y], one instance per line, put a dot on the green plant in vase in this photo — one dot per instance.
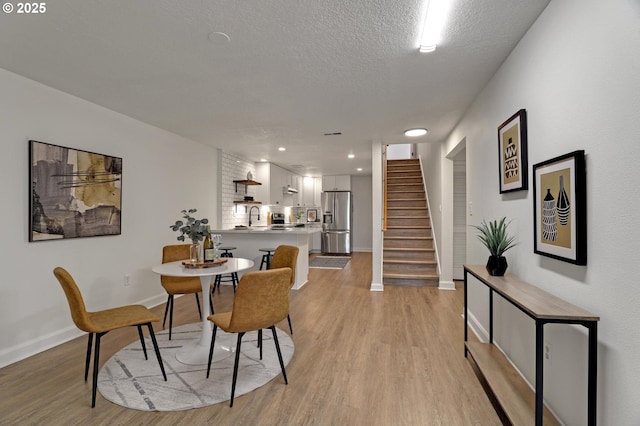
[192, 228]
[495, 237]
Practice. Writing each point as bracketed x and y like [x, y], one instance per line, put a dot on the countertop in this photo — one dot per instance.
[288, 229]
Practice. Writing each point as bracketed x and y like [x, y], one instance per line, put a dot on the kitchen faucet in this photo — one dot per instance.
[251, 210]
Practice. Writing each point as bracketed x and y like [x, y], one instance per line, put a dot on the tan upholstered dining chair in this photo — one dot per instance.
[261, 301]
[179, 285]
[100, 323]
[286, 257]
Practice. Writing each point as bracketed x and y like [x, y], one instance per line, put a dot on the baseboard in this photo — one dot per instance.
[481, 333]
[42, 343]
[37, 345]
[446, 285]
[376, 287]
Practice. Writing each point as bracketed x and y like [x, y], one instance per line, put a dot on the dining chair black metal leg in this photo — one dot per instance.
[275, 339]
[290, 327]
[88, 360]
[144, 346]
[171, 317]
[235, 368]
[166, 310]
[96, 361]
[157, 349]
[213, 341]
[198, 303]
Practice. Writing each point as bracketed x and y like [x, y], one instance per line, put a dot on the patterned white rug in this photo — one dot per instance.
[129, 380]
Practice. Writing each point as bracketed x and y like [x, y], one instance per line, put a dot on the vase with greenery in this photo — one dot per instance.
[495, 237]
[194, 229]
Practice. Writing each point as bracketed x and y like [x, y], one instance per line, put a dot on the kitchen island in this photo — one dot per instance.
[247, 242]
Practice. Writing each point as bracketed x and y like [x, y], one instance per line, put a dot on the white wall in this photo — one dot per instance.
[362, 217]
[576, 73]
[162, 174]
[430, 155]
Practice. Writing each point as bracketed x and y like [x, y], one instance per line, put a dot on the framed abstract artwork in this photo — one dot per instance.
[560, 208]
[73, 193]
[512, 147]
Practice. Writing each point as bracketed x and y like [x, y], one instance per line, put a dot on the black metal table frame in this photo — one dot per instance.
[592, 327]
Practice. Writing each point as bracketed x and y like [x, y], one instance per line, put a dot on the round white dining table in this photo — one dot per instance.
[198, 352]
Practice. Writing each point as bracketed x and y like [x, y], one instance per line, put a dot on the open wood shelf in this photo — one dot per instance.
[518, 402]
[247, 202]
[512, 393]
[245, 182]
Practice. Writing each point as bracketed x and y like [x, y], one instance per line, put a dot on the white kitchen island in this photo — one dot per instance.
[248, 241]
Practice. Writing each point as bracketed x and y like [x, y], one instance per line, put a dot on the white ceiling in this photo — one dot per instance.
[291, 71]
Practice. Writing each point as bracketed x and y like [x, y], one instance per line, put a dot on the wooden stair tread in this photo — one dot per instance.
[407, 238]
[409, 261]
[410, 276]
[409, 249]
[411, 217]
[406, 208]
[408, 226]
[515, 397]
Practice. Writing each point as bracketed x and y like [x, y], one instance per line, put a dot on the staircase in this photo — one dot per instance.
[408, 254]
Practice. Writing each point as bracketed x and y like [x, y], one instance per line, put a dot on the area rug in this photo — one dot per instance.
[329, 262]
[129, 380]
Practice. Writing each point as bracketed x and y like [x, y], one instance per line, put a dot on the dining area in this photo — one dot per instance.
[186, 354]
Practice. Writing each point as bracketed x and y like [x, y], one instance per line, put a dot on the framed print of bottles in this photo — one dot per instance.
[512, 149]
[560, 208]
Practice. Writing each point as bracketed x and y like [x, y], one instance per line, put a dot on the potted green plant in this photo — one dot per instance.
[495, 237]
[194, 229]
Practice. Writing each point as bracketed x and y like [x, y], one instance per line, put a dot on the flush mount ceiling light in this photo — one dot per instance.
[351, 156]
[282, 148]
[437, 11]
[359, 169]
[413, 133]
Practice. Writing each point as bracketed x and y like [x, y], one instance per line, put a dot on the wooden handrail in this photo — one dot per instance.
[384, 188]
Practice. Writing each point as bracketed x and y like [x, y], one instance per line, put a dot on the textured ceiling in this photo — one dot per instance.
[291, 71]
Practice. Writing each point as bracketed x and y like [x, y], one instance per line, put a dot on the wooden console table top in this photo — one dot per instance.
[531, 299]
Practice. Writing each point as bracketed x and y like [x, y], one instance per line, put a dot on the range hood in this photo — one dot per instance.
[289, 190]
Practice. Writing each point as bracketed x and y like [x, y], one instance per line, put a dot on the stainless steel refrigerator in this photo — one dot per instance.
[336, 222]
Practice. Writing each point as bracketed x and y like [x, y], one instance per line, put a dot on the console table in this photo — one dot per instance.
[519, 403]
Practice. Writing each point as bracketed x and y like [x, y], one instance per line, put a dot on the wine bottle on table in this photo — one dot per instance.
[209, 252]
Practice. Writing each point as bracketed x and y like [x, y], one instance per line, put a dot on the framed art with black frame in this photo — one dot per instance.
[73, 193]
[560, 208]
[512, 148]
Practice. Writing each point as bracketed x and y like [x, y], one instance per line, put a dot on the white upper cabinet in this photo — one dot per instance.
[311, 189]
[336, 183]
[275, 180]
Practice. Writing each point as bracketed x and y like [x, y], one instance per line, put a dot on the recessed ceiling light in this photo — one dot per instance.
[351, 156]
[412, 133]
[359, 169]
[282, 148]
[263, 160]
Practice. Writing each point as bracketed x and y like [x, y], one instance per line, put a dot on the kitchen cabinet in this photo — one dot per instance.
[294, 181]
[336, 183]
[273, 179]
[311, 189]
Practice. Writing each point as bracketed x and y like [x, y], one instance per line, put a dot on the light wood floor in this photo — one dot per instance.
[361, 358]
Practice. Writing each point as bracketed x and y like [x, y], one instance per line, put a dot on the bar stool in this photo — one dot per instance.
[233, 277]
[266, 258]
